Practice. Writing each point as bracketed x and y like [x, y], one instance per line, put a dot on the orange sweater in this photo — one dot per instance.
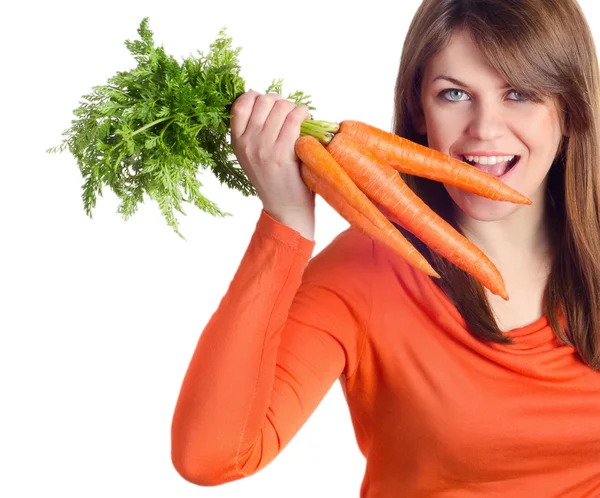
[436, 412]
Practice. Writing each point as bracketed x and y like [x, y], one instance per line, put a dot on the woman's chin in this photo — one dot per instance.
[480, 208]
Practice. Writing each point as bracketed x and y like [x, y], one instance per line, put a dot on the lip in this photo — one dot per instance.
[506, 175]
[485, 153]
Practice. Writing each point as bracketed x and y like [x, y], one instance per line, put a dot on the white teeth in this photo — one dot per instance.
[489, 159]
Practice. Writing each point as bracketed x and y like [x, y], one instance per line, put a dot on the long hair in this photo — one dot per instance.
[543, 48]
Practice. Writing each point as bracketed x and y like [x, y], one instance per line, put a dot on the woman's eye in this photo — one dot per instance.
[450, 92]
[454, 95]
[517, 93]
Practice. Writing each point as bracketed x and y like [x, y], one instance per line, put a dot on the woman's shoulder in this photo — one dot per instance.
[349, 256]
[352, 257]
[352, 260]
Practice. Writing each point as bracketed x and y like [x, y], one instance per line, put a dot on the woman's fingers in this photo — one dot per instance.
[290, 130]
[241, 110]
[264, 130]
[261, 111]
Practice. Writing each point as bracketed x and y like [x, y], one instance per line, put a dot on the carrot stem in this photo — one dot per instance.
[323, 131]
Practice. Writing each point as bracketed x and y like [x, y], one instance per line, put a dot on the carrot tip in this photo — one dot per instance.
[499, 292]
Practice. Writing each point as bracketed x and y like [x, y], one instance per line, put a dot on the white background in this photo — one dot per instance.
[99, 317]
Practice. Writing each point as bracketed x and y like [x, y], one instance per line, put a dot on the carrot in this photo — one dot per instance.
[415, 159]
[325, 177]
[382, 183]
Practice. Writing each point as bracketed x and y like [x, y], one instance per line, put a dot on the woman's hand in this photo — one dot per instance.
[264, 129]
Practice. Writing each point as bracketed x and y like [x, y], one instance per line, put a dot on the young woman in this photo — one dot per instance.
[452, 391]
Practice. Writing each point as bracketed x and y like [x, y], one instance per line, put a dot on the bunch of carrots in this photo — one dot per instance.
[353, 166]
[149, 129]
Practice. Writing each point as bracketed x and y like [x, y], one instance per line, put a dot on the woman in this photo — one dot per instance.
[452, 391]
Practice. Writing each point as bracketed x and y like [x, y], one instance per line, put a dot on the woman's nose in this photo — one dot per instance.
[486, 123]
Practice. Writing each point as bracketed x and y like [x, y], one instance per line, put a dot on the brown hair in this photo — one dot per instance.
[541, 54]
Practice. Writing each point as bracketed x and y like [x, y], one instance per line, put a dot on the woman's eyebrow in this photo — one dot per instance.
[460, 83]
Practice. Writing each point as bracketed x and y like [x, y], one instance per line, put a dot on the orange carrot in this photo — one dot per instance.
[382, 183]
[415, 159]
[325, 177]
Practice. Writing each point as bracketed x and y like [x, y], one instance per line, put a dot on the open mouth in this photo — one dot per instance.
[497, 169]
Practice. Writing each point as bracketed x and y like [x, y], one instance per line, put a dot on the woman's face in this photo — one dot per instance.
[480, 115]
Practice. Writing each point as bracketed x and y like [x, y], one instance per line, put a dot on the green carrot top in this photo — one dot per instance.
[150, 129]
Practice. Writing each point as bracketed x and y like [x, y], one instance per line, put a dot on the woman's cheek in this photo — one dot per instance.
[445, 128]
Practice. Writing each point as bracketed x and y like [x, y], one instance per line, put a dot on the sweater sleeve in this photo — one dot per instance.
[285, 330]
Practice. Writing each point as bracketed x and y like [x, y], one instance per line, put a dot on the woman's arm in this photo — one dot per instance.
[281, 336]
